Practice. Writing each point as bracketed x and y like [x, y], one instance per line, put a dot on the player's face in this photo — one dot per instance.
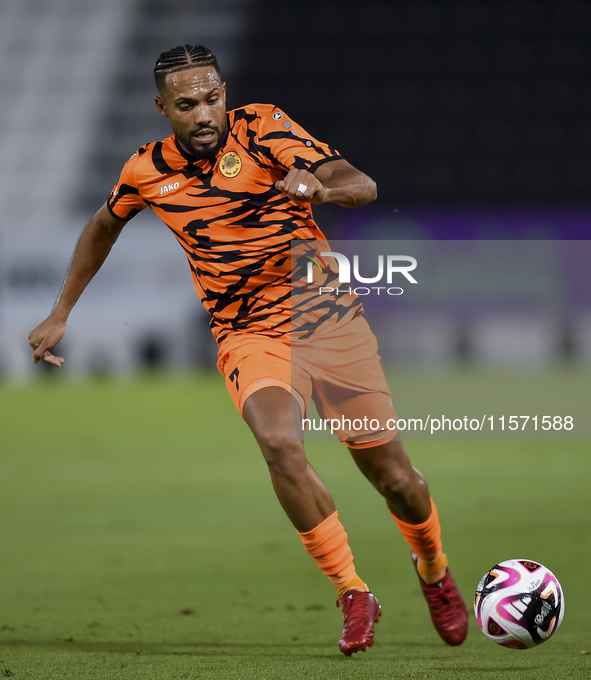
[195, 102]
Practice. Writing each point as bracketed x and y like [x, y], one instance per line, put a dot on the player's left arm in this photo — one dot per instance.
[332, 182]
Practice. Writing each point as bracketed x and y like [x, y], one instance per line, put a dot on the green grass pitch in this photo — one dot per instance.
[140, 538]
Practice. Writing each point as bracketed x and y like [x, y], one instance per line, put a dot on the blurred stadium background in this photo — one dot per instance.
[473, 117]
[123, 499]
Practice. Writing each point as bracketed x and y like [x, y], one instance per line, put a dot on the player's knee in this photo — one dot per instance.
[284, 456]
[394, 483]
[287, 464]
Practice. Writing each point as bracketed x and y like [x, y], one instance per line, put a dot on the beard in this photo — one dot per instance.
[207, 152]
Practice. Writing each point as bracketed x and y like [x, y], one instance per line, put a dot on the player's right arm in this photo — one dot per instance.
[94, 244]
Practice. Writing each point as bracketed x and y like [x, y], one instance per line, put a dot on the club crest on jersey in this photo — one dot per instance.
[169, 187]
[230, 164]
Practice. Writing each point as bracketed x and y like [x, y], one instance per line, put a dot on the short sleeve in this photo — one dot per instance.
[290, 145]
[125, 200]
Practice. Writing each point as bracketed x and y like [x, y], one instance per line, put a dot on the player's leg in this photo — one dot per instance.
[352, 390]
[406, 493]
[270, 413]
[271, 393]
[405, 490]
[259, 376]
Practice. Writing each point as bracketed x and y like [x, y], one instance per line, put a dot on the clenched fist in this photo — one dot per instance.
[302, 186]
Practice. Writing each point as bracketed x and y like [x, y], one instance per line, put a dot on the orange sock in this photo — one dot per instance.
[425, 541]
[327, 544]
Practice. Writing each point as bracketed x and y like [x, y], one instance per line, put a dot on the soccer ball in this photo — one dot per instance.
[519, 604]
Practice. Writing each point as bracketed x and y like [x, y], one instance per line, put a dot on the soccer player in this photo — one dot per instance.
[235, 187]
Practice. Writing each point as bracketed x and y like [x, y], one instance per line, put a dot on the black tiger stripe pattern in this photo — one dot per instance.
[236, 229]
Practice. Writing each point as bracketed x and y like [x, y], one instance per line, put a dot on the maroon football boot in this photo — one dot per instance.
[447, 608]
[360, 612]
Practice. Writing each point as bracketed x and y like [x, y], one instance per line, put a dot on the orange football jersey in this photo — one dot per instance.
[232, 223]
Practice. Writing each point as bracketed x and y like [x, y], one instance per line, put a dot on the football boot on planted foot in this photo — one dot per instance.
[360, 612]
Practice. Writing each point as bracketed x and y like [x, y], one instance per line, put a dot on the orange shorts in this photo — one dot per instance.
[338, 367]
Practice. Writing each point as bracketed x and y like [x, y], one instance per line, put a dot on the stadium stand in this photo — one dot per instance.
[157, 26]
[55, 59]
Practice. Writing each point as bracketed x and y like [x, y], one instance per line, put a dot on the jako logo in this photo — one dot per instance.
[169, 187]
[345, 267]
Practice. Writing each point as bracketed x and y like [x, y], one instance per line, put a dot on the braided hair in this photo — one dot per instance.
[182, 58]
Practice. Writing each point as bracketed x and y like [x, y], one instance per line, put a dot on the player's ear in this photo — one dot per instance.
[161, 106]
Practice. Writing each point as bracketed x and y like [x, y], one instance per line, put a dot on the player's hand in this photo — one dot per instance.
[44, 337]
[302, 186]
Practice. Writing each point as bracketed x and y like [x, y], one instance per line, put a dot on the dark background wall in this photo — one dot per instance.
[440, 102]
[477, 103]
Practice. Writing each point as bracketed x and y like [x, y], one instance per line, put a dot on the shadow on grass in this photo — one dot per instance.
[205, 648]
